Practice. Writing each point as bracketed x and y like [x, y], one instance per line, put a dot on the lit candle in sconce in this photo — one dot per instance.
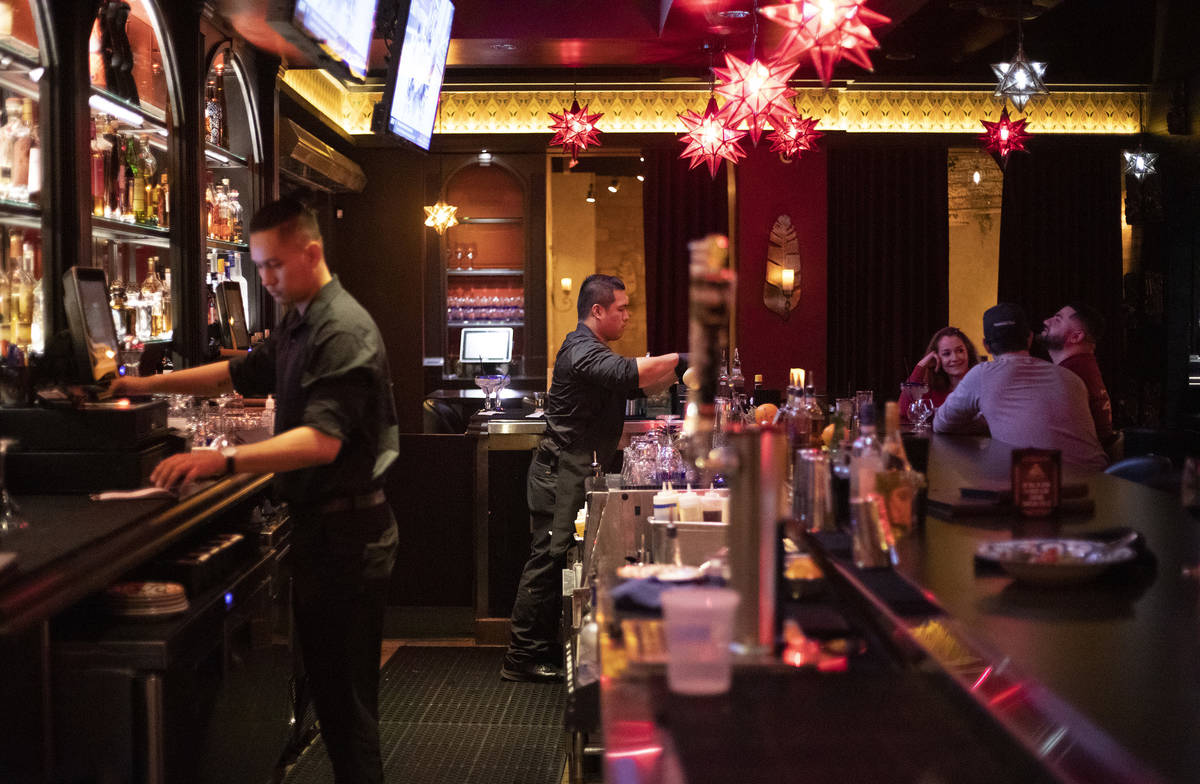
[566, 285]
[787, 282]
[796, 377]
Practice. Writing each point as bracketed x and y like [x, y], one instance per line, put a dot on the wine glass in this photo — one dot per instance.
[11, 519]
[491, 386]
[920, 412]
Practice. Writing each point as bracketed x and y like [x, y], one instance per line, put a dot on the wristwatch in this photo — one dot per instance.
[230, 454]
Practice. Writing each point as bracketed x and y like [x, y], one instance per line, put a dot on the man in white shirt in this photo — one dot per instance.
[1025, 400]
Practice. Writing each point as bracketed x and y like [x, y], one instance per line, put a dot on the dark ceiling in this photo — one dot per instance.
[1087, 42]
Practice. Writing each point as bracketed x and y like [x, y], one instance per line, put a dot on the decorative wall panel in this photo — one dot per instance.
[657, 111]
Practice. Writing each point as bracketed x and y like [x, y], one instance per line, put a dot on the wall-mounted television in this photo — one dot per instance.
[331, 31]
[414, 82]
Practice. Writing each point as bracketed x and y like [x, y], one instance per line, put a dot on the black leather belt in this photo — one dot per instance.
[346, 503]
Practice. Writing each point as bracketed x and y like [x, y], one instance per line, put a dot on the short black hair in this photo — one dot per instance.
[597, 290]
[291, 214]
[1090, 319]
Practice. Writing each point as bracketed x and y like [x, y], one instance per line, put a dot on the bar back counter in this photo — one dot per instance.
[955, 672]
[202, 695]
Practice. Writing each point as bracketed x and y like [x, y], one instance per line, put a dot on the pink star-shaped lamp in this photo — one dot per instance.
[1005, 135]
[575, 129]
[827, 30]
[797, 135]
[757, 92]
[709, 139]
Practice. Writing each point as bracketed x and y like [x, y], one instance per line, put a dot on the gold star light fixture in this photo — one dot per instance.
[441, 216]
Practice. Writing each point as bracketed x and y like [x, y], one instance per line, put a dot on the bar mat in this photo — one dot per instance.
[445, 717]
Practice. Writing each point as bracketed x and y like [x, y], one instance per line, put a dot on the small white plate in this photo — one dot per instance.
[1054, 561]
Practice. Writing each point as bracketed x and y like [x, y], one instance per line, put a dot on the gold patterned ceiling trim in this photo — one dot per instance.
[657, 111]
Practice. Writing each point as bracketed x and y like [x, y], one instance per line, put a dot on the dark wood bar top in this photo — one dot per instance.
[75, 546]
[1124, 653]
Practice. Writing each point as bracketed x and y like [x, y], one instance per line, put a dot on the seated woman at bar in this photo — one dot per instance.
[948, 357]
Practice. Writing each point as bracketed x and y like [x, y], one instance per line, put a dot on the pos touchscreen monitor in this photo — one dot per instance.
[93, 334]
[231, 310]
[485, 345]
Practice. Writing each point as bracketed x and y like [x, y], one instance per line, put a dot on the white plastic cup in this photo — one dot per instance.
[698, 623]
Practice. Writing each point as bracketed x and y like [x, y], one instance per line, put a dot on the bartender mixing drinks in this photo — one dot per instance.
[585, 414]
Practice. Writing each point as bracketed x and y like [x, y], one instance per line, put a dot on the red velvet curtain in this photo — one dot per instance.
[888, 259]
[1060, 232]
[678, 205]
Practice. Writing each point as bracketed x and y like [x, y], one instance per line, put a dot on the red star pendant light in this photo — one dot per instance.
[757, 92]
[575, 129]
[797, 135]
[1004, 136]
[709, 139]
[828, 31]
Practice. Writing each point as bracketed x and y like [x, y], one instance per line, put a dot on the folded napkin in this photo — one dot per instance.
[142, 493]
[645, 594]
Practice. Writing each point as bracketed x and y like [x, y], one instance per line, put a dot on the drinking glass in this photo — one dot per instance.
[863, 396]
[539, 403]
[469, 255]
[920, 412]
[491, 386]
[11, 519]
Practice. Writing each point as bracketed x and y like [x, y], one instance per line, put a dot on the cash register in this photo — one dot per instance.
[86, 442]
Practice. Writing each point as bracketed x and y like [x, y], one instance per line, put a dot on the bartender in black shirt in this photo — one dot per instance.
[585, 413]
[335, 437]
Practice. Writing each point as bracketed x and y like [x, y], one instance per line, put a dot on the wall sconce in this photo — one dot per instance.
[781, 290]
[796, 377]
[614, 186]
[562, 295]
[485, 158]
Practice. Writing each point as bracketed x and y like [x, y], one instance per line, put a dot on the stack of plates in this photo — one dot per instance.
[145, 600]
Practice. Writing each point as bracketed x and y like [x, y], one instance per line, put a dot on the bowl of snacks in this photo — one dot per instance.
[1055, 561]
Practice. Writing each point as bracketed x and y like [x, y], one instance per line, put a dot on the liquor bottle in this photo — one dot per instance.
[121, 173]
[8, 134]
[147, 165]
[168, 322]
[214, 114]
[37, 335]
[223, 107]
[164, 202]
[209, 200]
[894, 454]
[4, 297]
[794, 419]
[113, 171]
[236, 227]
[723, 376]
[152, 299]
[816, 415]
[737, 382]
[220, 221]
[21, 142]
[21, 286]
[101, 149]
[34, 190]
[866, 455]
[136, 179]
[755, 392]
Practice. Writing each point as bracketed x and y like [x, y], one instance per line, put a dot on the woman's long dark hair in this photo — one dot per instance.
[939, 379]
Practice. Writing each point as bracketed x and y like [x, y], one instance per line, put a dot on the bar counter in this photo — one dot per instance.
[75, 546]
[1125, 656]
[1092, 682]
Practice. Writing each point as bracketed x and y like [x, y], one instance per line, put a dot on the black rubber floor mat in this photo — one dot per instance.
[445, 717]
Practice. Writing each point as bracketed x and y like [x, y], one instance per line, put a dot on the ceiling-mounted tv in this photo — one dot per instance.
[410, 98]
[330, 31]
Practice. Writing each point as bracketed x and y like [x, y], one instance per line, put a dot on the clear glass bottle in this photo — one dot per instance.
[224, 212]
[37, 335]
[101, 148]
[794, 420]
[737, 382]
[167, 314]
[866, 455]
[144, 184]
[236, 216]
[164, 202]
[21, 287]
[152, 296]
[21, 142]
[816, 415]
[34, 190]
[723, 376]
[209, 201]
[8, 135]
[135, 180]
[214, 115]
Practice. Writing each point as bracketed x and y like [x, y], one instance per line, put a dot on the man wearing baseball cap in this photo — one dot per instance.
[1025, 400]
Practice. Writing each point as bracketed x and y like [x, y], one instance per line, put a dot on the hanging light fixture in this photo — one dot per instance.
[575, 129]
[441, 216]
[1004, 136]
[1138, 162]
[1020, 78]
[828, 31]
[614, 186]
[591, 194]
[797, 135]
[756, 91]
[708, 139]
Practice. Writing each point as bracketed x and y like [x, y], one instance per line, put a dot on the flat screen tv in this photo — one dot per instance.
[415, 75]
[90, 320]
[338, 31]
[485, 344]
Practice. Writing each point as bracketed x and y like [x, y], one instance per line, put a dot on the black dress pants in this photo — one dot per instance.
[555, 494]
[341, 565]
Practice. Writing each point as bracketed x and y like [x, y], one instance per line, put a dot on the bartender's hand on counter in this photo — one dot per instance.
[212, 379]
[188, 467]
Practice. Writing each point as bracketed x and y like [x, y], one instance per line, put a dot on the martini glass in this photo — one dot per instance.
[491, 386]
[11, 519]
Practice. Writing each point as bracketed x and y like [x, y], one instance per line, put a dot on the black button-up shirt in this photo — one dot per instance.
[585, 408]
[328, 370]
